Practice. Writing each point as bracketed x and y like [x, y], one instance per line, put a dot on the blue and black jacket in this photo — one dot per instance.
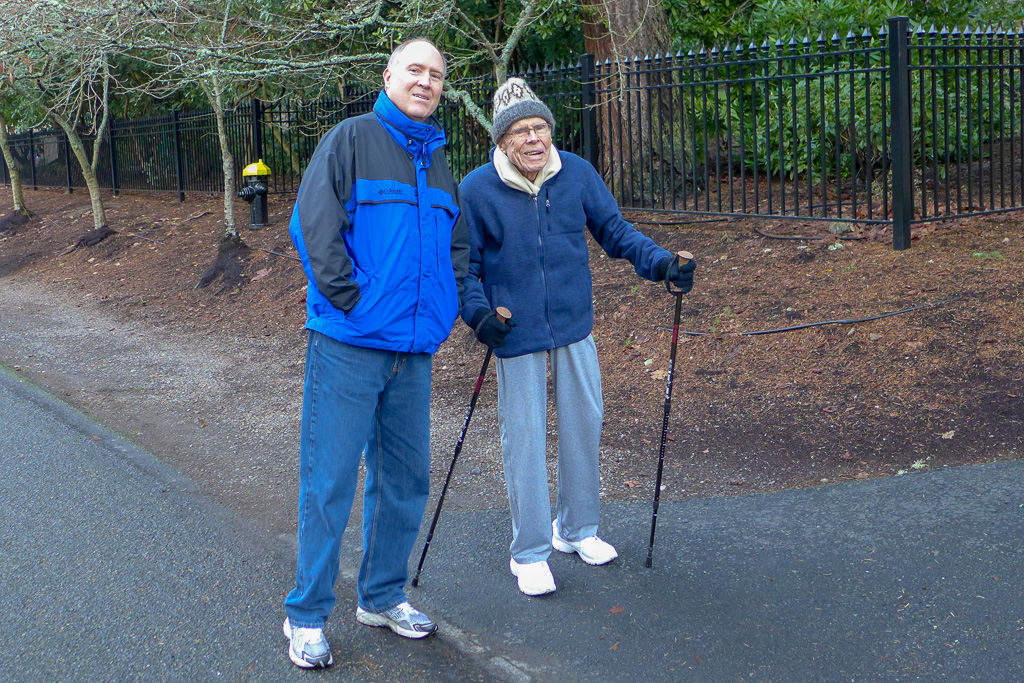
[378, 227]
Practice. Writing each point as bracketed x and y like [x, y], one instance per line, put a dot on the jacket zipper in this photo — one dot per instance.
[543, 278]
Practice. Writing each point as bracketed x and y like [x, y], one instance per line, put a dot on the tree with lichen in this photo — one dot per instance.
[57, 58]
[17, 187]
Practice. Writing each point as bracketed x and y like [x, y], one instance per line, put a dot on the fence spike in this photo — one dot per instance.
[933, 31]
[944, 32]
[989, 32]
[850, 35]
[821, 38]
[867, 34]
[883, 32]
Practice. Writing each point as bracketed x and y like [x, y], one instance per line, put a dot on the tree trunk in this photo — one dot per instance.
[214, 92]
[99, 216]
[639, 150]
[17, 189]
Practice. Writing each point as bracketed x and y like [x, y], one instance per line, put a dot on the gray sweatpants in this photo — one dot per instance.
[522, 415]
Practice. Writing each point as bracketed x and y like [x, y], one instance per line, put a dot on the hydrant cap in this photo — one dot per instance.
[259, 168]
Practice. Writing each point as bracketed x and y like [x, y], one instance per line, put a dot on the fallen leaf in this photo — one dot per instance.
[913, 345]
[874, 337]
[659, 374]
[632, 483]
[617, 610]
[262, 273]
[614, 647]
[947, 435]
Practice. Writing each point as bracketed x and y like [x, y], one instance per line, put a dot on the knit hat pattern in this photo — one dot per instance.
[514, 101]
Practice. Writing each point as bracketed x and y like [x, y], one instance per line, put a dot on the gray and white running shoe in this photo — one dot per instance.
[403, 619]
[307, 647]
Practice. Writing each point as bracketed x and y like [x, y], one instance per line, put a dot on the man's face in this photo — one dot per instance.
[414, 79]
[527, 144]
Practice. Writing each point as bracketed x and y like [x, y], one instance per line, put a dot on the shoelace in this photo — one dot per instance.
[399, 611]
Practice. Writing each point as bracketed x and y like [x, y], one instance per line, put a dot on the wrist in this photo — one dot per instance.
[661, 270]
[478, 317]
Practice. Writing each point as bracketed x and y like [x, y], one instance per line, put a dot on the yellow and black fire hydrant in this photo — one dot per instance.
[255, 192]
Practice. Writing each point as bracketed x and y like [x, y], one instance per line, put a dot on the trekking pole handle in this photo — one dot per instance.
[503, 314]
[682, 257]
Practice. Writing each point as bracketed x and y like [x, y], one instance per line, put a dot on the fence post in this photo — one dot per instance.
[588, 100]
[113, 159]
[32, 157]
[67, 162]
[257, 131]
[902, 154]
[179, 169]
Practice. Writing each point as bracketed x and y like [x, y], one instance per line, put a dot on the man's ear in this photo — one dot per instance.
[387, 78]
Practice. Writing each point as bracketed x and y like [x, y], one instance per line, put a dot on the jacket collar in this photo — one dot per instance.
[419, 139]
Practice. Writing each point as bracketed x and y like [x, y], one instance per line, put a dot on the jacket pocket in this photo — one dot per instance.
[444, 221]
[563, 213]
[363, 280]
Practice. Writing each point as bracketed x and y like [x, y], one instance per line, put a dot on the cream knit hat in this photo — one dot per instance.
[513, 101]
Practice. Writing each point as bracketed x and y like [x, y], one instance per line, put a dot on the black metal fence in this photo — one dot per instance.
[894, 127]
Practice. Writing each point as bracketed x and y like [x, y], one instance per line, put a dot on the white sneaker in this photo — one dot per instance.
[592, 549]
[534, 577]
[307, 647]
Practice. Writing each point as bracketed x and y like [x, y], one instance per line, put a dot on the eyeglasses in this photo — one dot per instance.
[519, 134]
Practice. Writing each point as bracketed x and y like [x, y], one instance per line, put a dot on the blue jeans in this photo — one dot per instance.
[356, 397]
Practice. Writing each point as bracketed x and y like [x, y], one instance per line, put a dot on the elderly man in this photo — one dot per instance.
[378, 227]
[526, 212]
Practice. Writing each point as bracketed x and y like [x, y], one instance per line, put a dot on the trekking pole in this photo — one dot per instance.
[683, 257]
[503, 315]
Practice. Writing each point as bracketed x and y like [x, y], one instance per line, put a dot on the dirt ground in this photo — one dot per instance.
[924, 389]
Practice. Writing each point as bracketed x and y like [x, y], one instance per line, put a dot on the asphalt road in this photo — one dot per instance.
[115, 567]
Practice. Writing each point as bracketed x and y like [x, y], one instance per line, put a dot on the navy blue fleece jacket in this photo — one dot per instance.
[529, 253]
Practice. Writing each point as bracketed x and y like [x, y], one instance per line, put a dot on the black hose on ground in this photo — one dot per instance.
[827, 322]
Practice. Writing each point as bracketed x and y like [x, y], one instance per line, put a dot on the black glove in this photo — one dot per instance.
[676, 275]
[489, 330]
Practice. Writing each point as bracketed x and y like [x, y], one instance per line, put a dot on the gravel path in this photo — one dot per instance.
[225, 412]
